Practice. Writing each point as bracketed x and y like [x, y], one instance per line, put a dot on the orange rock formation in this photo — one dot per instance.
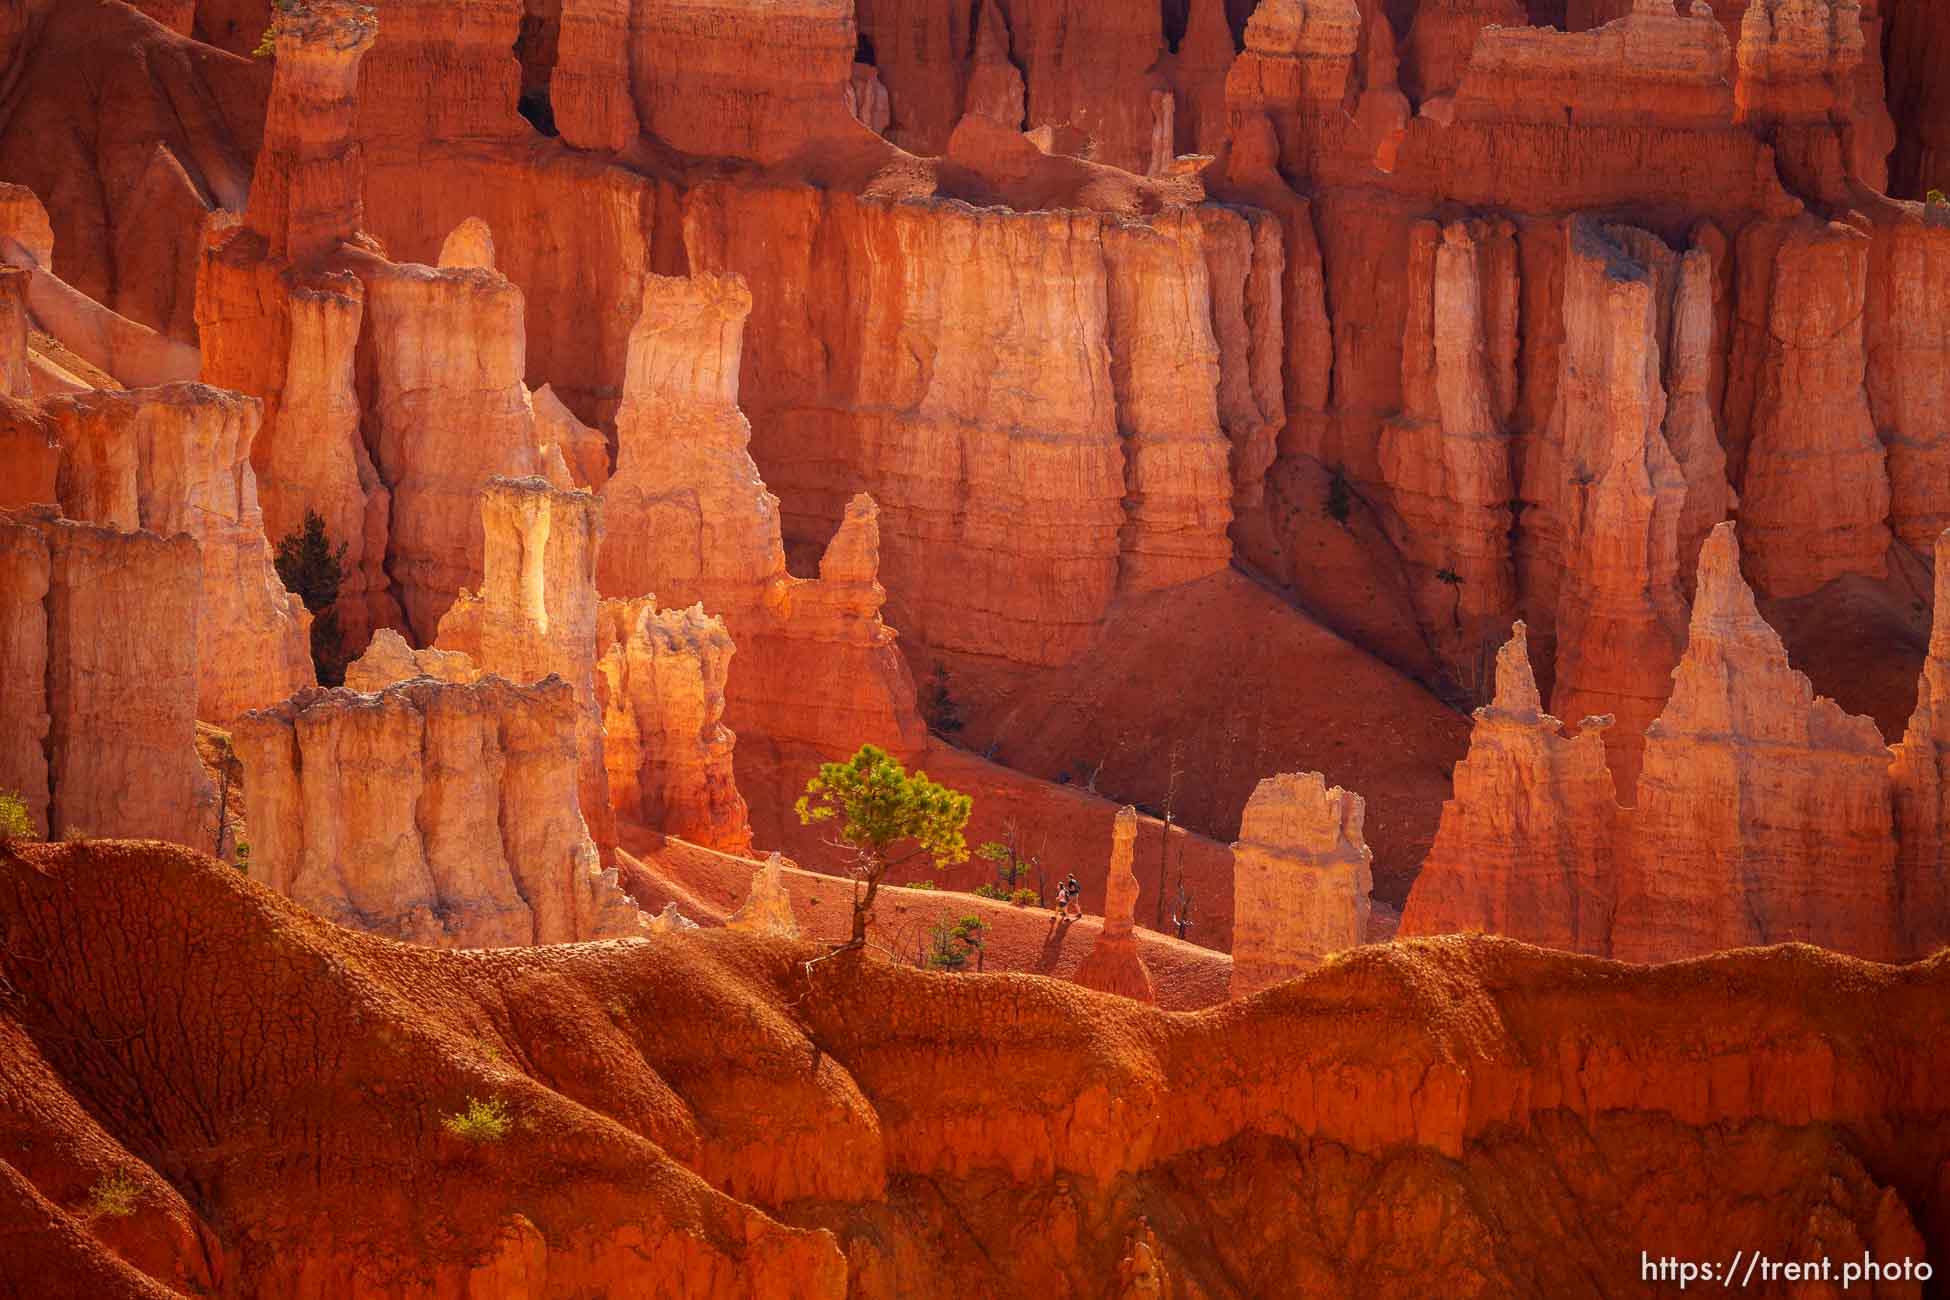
[99, 654]
[434, 812]
[536, 614]
[1763, 810]
[1525, 848]
[176, 460]
[1113, 965]
[1180, 393]
[1301, 878]
[767, 909]
[661, 678]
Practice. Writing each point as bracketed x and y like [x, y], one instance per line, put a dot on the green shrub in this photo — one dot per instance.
[939, 708]
[114, 1196]
[953, 941]
[879, 805]
[986, 890]
[920, 884]
[15, 824]
[312, 569]
[1026, 898]
[483, 1121]
[1937, 198]
[1340, 497]
[309, 566]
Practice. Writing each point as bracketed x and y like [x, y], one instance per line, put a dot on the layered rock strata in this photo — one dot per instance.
[449, 411]
[1525, 848]
[1651, 54]
[1764, 811]
[689, 520]
[176, 460]
[1113, 964]
[1908, 347]
[1447, 458]
[1301, 876]
[661, 678]
[536, 614]
[98, 674]
[1814, 490]
[1920, 779]
[1606, 474]
[305, 194]
[433, 812]
[1040, 419]
[276, 322]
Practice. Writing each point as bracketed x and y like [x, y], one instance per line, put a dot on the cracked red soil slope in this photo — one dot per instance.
[1457, 1117]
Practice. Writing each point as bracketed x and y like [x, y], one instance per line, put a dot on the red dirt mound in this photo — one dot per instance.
[692, 1115]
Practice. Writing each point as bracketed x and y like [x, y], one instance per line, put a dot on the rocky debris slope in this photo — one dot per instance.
[1786, 1096]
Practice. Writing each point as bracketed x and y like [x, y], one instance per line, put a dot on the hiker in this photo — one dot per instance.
[1071, 892]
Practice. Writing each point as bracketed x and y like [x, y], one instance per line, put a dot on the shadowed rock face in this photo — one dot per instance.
[687, 1095]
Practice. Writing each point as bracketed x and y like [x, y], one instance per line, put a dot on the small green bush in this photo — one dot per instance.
[953, 941]
[15, 824]
[114, 1196]
[919, 884]
[1937, 198]
[996, 892]
[483, 1121]
[1026, 898]
[312, 569]
[1340, 497]
[939, 708]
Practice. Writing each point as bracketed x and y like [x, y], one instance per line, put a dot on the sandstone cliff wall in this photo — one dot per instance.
[99, 654]
[433, 812]
[176, 460]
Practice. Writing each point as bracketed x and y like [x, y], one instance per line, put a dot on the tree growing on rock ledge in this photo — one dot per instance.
[880, 807]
